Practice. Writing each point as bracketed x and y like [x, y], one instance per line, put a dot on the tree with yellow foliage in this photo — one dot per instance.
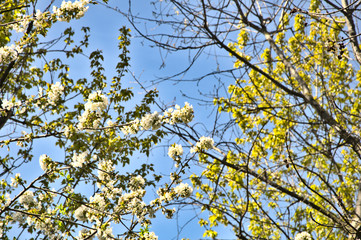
[286, 165]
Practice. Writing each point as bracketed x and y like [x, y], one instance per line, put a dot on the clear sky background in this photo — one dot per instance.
[146, 62]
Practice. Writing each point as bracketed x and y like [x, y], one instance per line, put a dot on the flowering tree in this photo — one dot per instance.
[285, 163]
[88, 122]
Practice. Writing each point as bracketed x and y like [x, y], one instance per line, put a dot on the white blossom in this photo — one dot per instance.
[99, 201]
[109, 190]
[183, 190]
[40, 92]
[8, 105]
[27, 199]
[68, 189]
[136, 183]
[153, 121]
[15, 181]
[303, 236]
[44, 162]
[69, 10]
[67, 131]
[96, 104]
[7, 200]
[84, 234]
[164, 195]
[150, 236]
[22, 21]
[105, 234]
[80, 213]
[21, 24]
[132, 202]
[40, 19]
[56, 90]
[18, 217]
[175, 151]
[105, 167]
[137, 207]
[204, 143]
[132, 128]
[45, 225]
[9, 53]
[79, 159]
[110, 123]
[180, 115]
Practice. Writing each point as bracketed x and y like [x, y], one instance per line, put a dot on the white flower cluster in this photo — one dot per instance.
[105, 167]
[136, 183]
[175, 151]
[80, 213]
[109, 190]
[132, 203]
[97, 102]
[68, 131]
[56, 90]
[18, 217]
[132, 128]
[105, 234]
[85, 234]
[8, 105]
[183, 190]
[22, 21]
[5, 201]
[69, 10]
[138, 208]
[165, 196]
[153, 121]
[98, 202]
[179, 115]
[40, 18]
[47, 226]
[110, 123]
[97, 205]
[94, 107]
[79, 159]
[127, 197]
[303, 236]
[149, 121]
[150, 236]
[204, 143]
[16, 180]
[44, 161]
[9, 53]
[27, 199]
